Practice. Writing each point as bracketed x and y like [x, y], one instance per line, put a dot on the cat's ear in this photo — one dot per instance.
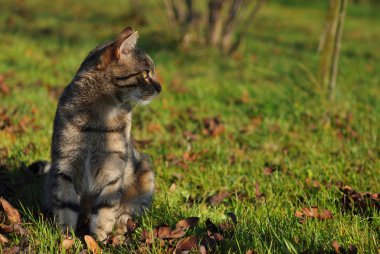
[126, 41]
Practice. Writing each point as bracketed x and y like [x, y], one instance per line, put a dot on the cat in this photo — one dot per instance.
[96, 171]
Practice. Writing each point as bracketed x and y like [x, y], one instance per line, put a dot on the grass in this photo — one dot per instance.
[273, 112]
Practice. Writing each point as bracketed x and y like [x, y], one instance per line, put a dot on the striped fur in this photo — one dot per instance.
[96, 172]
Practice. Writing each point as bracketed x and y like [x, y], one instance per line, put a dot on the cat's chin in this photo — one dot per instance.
[145, 102]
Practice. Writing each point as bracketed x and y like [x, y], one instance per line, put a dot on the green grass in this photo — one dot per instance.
[42, 45]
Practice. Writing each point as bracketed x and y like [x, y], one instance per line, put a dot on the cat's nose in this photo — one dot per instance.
[157, 87]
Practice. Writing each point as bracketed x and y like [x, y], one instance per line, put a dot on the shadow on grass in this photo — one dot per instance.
[21, 187]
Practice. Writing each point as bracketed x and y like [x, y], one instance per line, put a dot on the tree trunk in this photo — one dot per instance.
[336, 51]
[230, 26]
[330, 45]
[215, 22]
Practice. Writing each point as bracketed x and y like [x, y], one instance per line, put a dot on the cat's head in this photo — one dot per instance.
[130, 72]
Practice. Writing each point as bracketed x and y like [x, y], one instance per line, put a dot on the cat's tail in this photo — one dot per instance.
[40, 167]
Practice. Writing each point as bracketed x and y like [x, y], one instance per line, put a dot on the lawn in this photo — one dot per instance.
[252, 134]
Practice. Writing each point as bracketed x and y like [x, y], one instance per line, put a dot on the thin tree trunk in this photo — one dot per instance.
[335, 55]
[215, 22]
[230, 25]
[327, 45]
[246, 25]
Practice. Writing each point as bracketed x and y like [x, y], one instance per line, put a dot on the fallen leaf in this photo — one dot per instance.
[336, 246]
[143, 143]
[298, 214]
[352, 249]
[211, 226]
[190, 136]
[268, 171]
[154, 127]
[209, 242]
[13, 228]
[4, 88]
[313, 212]
[92, 245]
[12, 214]
[131, 226]
[177, 233]
[227, 227]
[212, 126]
[3, 240]
[187, 223]
[187, 244]
[67, 243]
[202, 249]
[172, 187]
[218, 237]
[359, 202]
[325, 215]
[116, 240]
[233, 217]
[12, 250]
[164, 232]
[258, 194]
[217, 198]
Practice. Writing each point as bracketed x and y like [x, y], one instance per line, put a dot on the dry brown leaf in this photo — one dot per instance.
[217, 198]
[211, 226]
[3, 240]
[258, 193]
[187, 244]
[313, 212]
[173, 187]
[12, 213]
[177, 233]
[92, 245]
[217, 236]
[325, 215]
[202, 249]
[131, 226]
[164, 232]
[226, 227]
[212, 127]
[67, 243]
[188, 135]
[4, 88]
[336, 246]
[268, 171]
[187, 223]
[12, 250]
[13, 228]
[233, 217]
[310, 212]
[143, 143]
[298, 214]
[154, 127]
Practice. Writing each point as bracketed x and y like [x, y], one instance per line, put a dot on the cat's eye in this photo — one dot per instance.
[146, 74]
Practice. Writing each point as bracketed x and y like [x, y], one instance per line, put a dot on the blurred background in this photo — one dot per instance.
[250, 89]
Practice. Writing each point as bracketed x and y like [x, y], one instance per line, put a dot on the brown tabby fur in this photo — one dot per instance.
[96, 172]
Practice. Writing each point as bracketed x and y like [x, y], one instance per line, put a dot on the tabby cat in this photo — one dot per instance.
[96, 171]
